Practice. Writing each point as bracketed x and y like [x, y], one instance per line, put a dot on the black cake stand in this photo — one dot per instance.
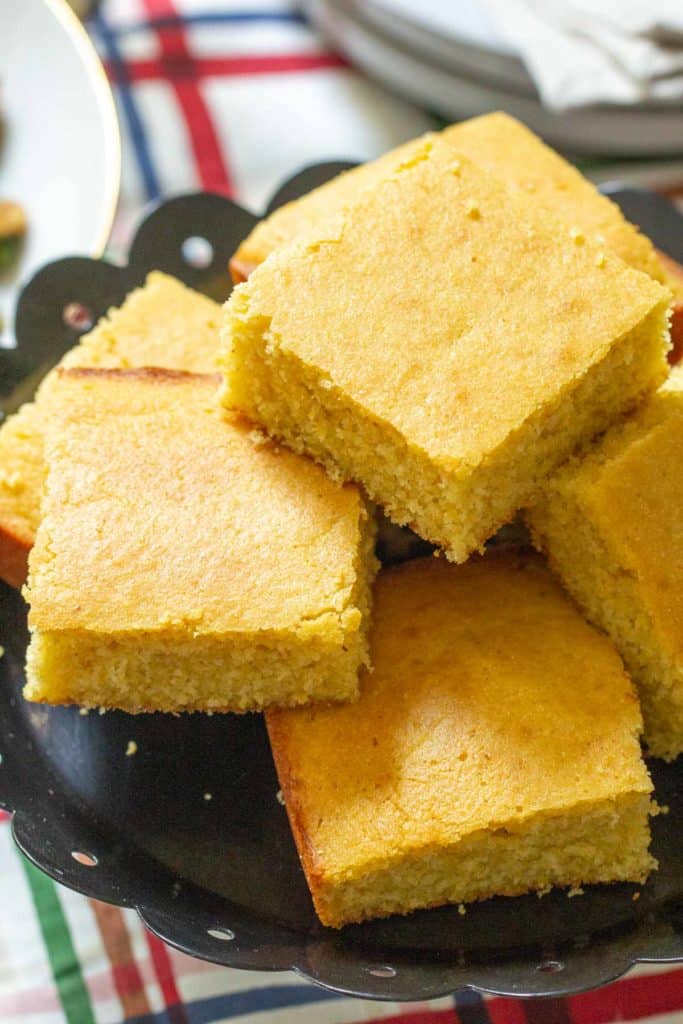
[220, 879]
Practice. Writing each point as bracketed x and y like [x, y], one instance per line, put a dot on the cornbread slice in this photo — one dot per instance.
[493, 750]
[181, 566]
[611, 526]
[499, 144]
[449, 387]
[161, 324]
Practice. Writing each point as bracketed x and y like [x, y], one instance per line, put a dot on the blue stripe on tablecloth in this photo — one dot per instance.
[238, 1004]
[211, 18]
[471, 1007]
[136, 130]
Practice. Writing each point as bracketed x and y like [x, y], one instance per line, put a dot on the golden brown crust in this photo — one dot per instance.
[675, 272]
[14, 551]
[151, 374]
[277, 734]
[240, 269]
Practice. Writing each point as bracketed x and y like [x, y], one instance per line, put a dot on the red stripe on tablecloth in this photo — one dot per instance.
[179, 67]
[419, 1017]
[210, 67]
[163, 968]
[506, 1011]
[630, 999]
[547, 1011]
[124, 970]
[213, 171]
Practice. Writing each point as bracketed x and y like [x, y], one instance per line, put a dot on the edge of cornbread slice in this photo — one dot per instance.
[673, 272]
[22, 472]
[163, 323]
[494, 750]
[182, 563]
[383, 366]
[611, 527]
[499, 144]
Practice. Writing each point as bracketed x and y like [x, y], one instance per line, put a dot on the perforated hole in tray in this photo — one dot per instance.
[78, 316]
[197, 252]
[222, 934]
[87, 860]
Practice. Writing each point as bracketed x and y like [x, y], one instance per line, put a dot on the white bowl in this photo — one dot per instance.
[60, 156]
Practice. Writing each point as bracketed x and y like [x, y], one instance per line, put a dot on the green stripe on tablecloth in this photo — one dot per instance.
[66, 969]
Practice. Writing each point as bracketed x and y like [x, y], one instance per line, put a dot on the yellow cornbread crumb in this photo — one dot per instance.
[132, 748]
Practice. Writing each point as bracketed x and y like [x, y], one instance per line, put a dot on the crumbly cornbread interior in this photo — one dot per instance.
[449, 388]
[611, 527]
[472, 764]
[501, 145]
[161, 324]
[182, 564]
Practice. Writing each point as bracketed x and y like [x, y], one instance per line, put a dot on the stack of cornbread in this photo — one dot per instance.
[459, 332]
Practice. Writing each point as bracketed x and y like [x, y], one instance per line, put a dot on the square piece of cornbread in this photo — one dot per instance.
[611, 526]
[183, 564]
[162, 323]
[449, 386]
[493, 750]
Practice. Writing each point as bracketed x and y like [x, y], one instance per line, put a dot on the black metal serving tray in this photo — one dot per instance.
[219, 878]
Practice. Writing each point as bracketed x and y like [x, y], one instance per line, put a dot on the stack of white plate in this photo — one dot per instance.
[448, 56]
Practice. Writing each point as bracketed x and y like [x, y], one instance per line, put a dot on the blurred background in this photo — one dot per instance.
[236, 95]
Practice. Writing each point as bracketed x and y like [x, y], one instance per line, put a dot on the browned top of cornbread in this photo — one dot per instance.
[632, 485]
[455, 353]
[163, 323]
[508, 149]
[315, 208]
[490, 701]
[163, 515]
[501, 145]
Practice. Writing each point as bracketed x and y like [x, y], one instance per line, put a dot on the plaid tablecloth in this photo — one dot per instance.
[232, 97]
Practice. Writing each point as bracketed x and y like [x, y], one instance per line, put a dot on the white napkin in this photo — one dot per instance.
[580, 52]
